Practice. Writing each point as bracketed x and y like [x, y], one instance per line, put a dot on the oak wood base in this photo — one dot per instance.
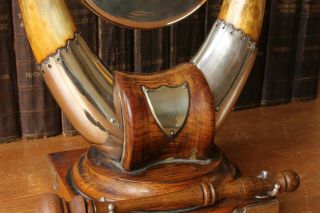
[222, 171]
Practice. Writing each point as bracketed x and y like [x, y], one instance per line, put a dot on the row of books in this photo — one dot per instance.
[286, 69]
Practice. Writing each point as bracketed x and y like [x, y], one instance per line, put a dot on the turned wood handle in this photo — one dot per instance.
[248, 187]
[206, 194]
[197, 195]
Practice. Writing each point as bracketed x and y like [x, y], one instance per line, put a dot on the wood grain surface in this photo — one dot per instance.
[271, 138]
[145, 142]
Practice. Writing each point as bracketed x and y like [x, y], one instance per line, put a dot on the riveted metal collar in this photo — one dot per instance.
[225, 59]
[83, 88]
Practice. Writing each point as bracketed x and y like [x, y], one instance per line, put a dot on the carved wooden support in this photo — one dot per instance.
[145, 139]
[197, 195]
[166, 148]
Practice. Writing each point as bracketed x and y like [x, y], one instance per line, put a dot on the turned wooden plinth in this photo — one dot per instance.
[99, 180]
[210, 186]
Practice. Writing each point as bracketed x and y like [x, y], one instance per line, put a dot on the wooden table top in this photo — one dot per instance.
[266, 138]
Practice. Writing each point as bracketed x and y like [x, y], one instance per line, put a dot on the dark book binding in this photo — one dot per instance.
[86, 23]
[186, 37]
[151, 50]
[211, 13]
[251, 93]
[9, 112]
[307, 58]
[87, 27]
[115, 46]
[39, 113]
[279, 67]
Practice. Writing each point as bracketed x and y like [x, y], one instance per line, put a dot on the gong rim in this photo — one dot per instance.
[141, 16]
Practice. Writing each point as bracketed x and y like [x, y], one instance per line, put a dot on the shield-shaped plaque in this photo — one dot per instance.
[169, 106]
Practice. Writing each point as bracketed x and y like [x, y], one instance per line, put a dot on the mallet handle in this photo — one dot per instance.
[198, 195]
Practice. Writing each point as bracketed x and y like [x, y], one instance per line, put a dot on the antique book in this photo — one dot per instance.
[115, 46]
[151, 50]
[86, 23]
[186, 37]
[251, 93]
[9, 112]
[307, 58]
[39, 113]
[280, 51]
[87, 26]
[212, 11]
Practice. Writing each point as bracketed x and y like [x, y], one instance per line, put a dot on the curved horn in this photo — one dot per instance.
[83, 87]
[226, 57]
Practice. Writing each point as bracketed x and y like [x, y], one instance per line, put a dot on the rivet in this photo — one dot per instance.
[184, 86]
[217, 109]
[50, 66]
[172, 132]
[102, 199]
[112, 120]
[58, 60]
[252, 45]
[111, 208]
[263, 175]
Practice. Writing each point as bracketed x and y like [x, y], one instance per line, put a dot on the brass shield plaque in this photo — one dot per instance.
[169, 107]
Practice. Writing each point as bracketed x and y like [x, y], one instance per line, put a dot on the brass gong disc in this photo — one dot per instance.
[143, 14]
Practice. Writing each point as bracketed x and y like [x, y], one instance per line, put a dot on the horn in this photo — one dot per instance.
[226, 57]
[83, 87]
[80, 84]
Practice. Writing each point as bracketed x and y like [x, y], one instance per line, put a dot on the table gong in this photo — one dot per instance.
[151, 135]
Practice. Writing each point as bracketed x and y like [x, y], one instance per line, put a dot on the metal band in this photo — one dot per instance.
[225, 59]
[84, 90]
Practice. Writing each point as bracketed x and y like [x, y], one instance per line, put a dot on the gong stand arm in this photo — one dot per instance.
[198, 195]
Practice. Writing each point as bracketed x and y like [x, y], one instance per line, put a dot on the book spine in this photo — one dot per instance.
[186, 37]
[151, 50]
[9, 112]
[87, 27]
[251, 93]
[115, 46]
[277, 84]
[39, 113]
[307, 58]
[86, 23]
[211, 14]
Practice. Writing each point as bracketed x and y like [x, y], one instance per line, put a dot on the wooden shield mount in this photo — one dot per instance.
[153, 161]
